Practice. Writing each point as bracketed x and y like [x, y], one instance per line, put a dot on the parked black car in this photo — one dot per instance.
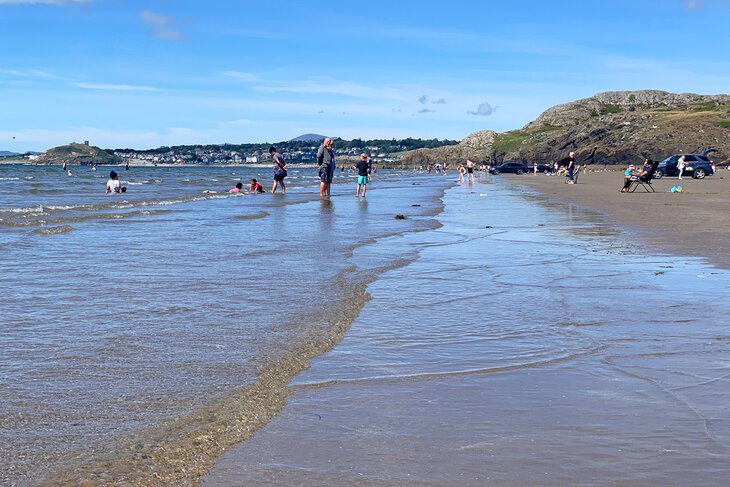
[510, 167]
[698, 166]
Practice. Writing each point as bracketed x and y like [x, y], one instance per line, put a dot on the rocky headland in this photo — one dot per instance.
[615, 127]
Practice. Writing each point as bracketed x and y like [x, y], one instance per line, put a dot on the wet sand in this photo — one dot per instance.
[691, 223]
[526, 345]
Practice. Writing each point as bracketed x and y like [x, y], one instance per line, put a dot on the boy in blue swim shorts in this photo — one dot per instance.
[362, 168]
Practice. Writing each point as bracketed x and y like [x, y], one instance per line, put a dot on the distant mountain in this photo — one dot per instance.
[309, 138]
[4, 153]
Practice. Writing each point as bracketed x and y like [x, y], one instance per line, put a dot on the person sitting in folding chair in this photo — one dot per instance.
[644, 177]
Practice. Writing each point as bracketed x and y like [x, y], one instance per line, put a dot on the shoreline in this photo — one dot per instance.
[510, 396]
[687, 224]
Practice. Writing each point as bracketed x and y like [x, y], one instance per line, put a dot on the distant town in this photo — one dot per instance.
[302, 149]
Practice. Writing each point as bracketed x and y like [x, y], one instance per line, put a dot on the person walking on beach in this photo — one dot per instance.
[326, 164]
[681, 164]
[362, 175]
[279, 170]
[569, 162]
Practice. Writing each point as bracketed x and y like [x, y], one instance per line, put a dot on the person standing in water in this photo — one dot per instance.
[327, 165]
[279, 170]
[470, 170]
[64, 165]
[362, 168]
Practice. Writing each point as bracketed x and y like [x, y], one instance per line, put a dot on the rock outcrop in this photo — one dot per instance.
[611, 128]
[476, 146]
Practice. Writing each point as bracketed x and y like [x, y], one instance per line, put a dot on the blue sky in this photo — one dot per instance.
[144, 73]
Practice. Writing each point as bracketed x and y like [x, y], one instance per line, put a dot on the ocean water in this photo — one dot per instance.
[143, 334]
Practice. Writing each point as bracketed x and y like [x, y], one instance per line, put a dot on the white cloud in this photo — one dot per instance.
[162, 26]
[114, 87]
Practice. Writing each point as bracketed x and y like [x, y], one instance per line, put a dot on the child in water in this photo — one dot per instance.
[255, 187]
[238, 188]
[362, 175]
[113, 185]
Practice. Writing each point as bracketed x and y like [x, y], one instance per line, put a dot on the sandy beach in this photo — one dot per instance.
[691, 223]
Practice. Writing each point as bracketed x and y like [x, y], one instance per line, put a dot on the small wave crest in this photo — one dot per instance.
[53, 230]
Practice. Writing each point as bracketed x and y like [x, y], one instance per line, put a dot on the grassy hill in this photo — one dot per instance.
[78, 154]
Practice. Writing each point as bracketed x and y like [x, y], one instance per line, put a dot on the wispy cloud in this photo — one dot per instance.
[329, 86]
[440, 101]
[423, 99]
[34, 73]
[163, 26]
[693, 5]
[426, 110]
[484, 109]
[44, 2]
[242, 75]
[114, 87]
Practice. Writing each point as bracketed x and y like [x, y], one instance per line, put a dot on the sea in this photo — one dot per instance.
[128, 319]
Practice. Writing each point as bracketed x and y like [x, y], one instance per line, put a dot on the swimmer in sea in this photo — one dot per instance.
[238, 188]
[69, 173]
[113, 185]
[255, 187]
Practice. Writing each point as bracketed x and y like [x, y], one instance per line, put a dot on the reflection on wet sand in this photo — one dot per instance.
[540, 350]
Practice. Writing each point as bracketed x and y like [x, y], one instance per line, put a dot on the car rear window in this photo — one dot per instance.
[689, 158]
[703, 158]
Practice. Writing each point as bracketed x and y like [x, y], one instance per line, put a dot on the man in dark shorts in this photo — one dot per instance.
[279, 170]
[569, 162]
[327, 165]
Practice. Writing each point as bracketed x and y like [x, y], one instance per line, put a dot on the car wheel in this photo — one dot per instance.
[658, 174]
[520, 171]
[699, 173]
[495, 171]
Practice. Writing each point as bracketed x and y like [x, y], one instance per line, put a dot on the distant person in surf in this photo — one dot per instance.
[362, 175]
[113, 185]
[326, 164]
[255, 187]
[279, 170]
[237, 189]
[470, 170]
[64, 165]
[69, 173]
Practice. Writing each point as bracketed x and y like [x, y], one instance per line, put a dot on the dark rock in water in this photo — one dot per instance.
[415, 205]
[488, 226]
[400, 217]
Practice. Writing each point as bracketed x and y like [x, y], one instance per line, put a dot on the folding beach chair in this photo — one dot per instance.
[644, 181]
